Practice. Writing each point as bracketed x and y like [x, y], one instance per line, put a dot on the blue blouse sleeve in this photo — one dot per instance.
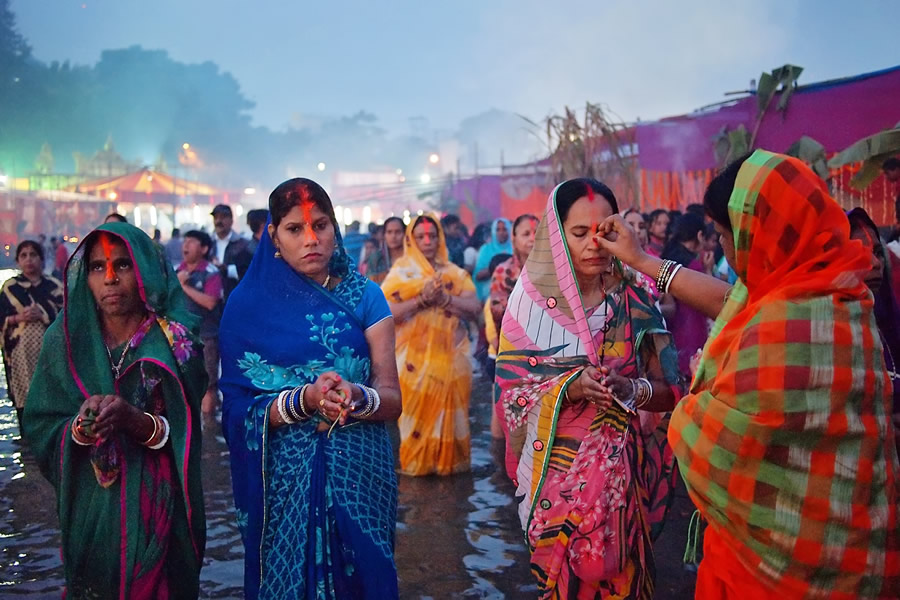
[374, 306]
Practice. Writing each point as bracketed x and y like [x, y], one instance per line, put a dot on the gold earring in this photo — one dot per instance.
[277, 253]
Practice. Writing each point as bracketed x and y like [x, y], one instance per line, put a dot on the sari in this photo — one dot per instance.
[433, 364]
[785, 441]
[132, 519]
[594, 487]
[487, 252]
[20, 343]
[503, 281]
[316, 512]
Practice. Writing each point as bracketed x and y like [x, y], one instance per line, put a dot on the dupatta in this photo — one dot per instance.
[785, 441]
[585, 502]
[120, 513]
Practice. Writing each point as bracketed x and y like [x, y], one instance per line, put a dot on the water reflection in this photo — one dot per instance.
[457, 537]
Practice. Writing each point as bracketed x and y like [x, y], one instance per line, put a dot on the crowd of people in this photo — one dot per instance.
[748, 343]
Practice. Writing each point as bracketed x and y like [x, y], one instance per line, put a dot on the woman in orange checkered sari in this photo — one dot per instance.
[429, 296]
[785, 441]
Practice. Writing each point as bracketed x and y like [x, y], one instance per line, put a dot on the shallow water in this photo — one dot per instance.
[457, 537]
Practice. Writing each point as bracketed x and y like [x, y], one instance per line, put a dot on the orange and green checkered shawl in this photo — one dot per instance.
[785, 439]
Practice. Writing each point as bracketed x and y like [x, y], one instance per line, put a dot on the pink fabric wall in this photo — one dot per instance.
[835, 114]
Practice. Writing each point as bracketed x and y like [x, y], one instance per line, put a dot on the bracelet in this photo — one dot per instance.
[281, 405]
[671, 278]
[290, 401]
[369, 409]
[155, 430]
[302, 395]
[664, 266]
[377, 406]
[165, 437]
[446, 303]
[420, 302]
[78, 437]
[645, 392]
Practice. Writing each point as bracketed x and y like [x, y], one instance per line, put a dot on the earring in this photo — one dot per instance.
[277, 253]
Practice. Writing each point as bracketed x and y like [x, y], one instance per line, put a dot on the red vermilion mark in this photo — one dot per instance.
[426, 229]
[107, 252]
[306, 206]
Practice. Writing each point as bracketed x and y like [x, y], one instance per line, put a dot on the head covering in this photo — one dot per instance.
[547, 338]
[281, 330]
[488, 251]
[783, 441]
[221, 209]
[166, 362]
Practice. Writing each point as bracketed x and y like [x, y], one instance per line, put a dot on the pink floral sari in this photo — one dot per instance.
[595, 487]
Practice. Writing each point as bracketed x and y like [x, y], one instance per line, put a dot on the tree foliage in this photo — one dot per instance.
[151, 105]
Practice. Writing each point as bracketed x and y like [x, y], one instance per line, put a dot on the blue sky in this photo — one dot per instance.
[450, 60]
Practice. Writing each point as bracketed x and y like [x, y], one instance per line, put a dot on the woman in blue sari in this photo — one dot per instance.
[498, 244]
[309, 376]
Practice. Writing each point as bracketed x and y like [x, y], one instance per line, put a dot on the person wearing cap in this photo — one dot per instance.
[232, 253]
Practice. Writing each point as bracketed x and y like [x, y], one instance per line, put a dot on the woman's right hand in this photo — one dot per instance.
[618, 238]
[323, 396]
[587, 386]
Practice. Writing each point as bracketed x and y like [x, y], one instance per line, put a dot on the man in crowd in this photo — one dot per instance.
[256, 221]
[353, 241]
[173, 247]
[232, 253]
[456, 239]
[202, 284]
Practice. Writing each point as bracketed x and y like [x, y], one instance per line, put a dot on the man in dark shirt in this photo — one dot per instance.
[456, 240]
[256, 221]
[231, 252]
[202, 284]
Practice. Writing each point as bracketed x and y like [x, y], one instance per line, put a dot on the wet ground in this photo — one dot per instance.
[457, 537]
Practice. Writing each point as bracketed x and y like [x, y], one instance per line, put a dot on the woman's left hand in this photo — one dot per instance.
[613, 386]
[115, 414]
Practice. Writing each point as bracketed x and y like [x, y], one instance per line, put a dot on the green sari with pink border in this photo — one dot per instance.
[132, 518]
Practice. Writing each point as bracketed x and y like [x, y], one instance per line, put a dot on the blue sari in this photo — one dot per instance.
[317, 513]
[488, 251]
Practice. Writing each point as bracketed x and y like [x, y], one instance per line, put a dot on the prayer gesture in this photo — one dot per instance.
[31, 313]
[331, 396]
[103, 415]
[615, 387]
[588, 388]
[433, 292]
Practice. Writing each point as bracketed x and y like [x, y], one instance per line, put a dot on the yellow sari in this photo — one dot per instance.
[433, 363]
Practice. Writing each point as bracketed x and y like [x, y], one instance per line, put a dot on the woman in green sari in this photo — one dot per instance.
[113, 421]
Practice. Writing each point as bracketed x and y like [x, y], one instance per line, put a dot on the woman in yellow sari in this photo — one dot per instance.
[429, 296]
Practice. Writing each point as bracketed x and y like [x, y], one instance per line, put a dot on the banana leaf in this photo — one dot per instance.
[871, 151]
[768, 84]
[812, 153]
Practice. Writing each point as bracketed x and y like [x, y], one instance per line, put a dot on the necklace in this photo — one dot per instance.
[327, 281]
[117, 367]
